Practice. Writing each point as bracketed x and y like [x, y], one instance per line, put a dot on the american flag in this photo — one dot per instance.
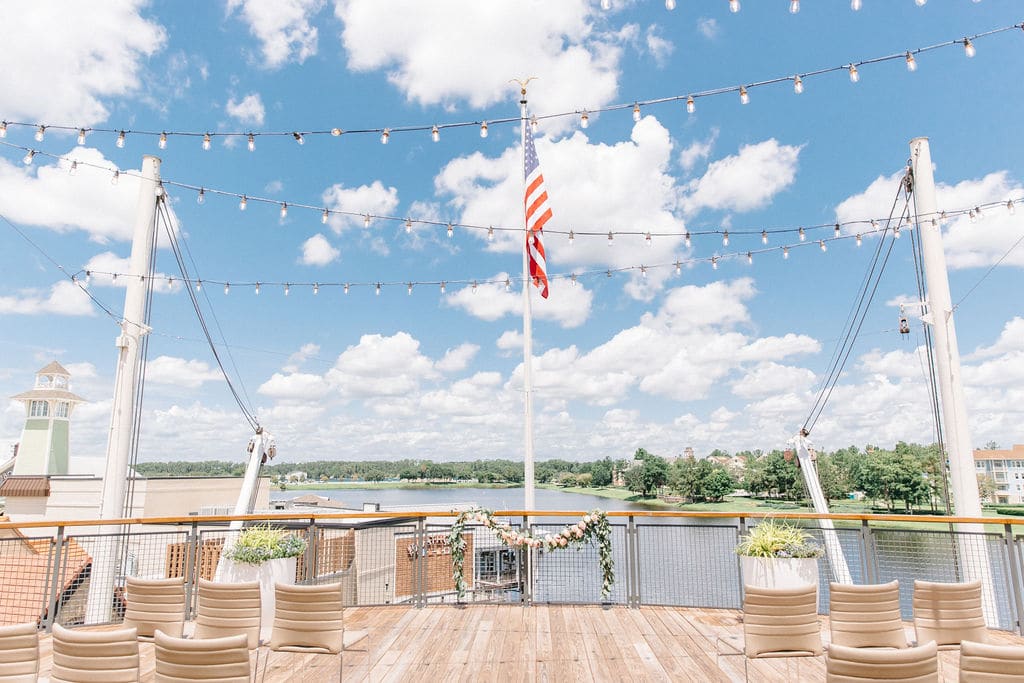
[537, 214]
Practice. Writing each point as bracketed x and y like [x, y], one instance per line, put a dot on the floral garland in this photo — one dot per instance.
[592, 525]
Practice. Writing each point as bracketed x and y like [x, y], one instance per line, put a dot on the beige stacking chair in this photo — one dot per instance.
[179, 660]
[155, 604]
[948, 613]
[780, 622]
[983, 663]
[95, 656]
[860, 665]
[866, 616]
[308, 619]
[19, 653]
[226, 609]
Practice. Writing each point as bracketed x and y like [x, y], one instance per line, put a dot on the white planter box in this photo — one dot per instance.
[273, 571]
[779, 572]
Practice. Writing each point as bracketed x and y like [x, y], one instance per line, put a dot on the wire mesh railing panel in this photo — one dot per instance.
[906, 555]
[383, 567]
[574, 575]
[850, 540]
[26, 571]
[492, 572]
[688, 565]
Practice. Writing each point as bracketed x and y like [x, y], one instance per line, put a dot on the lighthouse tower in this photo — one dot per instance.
[44, 439]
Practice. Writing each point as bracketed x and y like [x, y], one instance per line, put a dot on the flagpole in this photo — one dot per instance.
[529, 502]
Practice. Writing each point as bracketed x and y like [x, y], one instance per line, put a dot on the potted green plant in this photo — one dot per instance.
[266, 554]
[777, 554]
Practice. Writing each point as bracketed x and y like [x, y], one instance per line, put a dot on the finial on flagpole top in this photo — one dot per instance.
[523, 83]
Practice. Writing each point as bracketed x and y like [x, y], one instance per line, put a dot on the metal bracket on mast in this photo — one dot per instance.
[834, 551]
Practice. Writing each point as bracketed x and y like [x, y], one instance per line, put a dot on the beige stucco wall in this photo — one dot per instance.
[176, 497]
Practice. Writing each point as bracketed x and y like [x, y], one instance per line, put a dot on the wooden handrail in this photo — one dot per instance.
[355, 516]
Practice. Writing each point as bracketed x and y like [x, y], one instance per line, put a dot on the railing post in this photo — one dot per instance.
[528, 556]
[739, 564]
[311, 552]
[867, 547]
[632, 565]
[53, 594]
[193, 556]
[420, 573]
[1015, 575]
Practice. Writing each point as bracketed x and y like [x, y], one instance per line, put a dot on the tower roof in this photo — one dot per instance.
[53, 368]
[48, 394]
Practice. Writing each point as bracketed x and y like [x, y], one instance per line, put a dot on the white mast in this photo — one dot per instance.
[528, 485]
[123, 418]
[966, 501]
[836, 556]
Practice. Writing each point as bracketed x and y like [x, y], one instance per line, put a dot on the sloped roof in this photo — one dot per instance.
[53, 368]
[22, 486]
[48, 395]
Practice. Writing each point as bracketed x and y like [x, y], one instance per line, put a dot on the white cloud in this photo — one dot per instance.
[305, 352]
[64, 298]
[699, 150]
[708, 28]
[660, 48]
[568, 305]
[381, 366]
[967, 244]
[274, 187]
[1010, 340]
[295, 386]
[458, 358]
[247, 110]
[77, 58]
[373, 199]
[580, 65]
[282, 26]
[510, 340]
[771, 378]
[180, 372]
[317, 251]
[744, 181]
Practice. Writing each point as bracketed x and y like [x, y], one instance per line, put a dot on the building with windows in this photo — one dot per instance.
[45, 445]
[1006, 468]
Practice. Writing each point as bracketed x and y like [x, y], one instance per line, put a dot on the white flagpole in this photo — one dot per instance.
[529, 501]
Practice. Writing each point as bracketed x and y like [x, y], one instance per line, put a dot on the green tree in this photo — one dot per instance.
[601, 472]
[647, 477]
[717, 485]
[986, 487]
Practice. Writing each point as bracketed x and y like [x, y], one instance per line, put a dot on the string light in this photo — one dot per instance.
[606, 4]
[911, 62]
[920, 3]
[534, 123]
[162, 144]
[435, 134]
[854, 74]
[408, 226]
[679, 267]
[643, 272]
[74, 168]
[1010, 208]
[896, 231]
[798, 84]
[385, 135]
[40, 133]
[636, 112]
[120, 140]
[670, 5]
[686, 238]
[858, 239]
[81, 136]
[744, 97]
[378, 289]
[3, 129]
[714, 263]
[227, 287]
[785, 252]
[324, 216]
[287, 289]
[483, 129]
[206, 142]
[794, 6]
[584, 120]
[29, 156]
[734, 6]
[874, 224]
[243, 202]
[474, 287]
[610, 238]
[648, 240]
[114, 178]
[199, 285]
[821, 243]
[508, 284]
[725, 238]
[490, 234]
[572, 237]
[451, 231]
[284, 210]
[251, 142]
[316, 288]
[750, 258]
[442, 286]
[802, 234]
[298, 138]
[366, 221]
[201, 197]
[978, 213]
[256, 290]
[968, 47]
[764, 237]
[410, 288]
[691, 106]
[837, 232]
[346, 288]
[335, 132]
[855, 5]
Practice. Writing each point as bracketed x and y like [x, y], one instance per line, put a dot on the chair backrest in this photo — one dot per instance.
[866, 616]
[224, 660]
[94, 656]
[155, 604]
[991, 663]
[949, 612]
[781, 621]
[859, 665]
[228, 608]
[19, 653]
[308, 617]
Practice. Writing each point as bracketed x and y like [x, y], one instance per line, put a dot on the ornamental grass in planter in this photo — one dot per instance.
[777, 554]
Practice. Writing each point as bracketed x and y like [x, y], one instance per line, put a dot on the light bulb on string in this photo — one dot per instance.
[40, 133]
[611, 237]
[162, 143]
[942, 217]
[345, 288]
[385, 135]
[324, 215]
[911, 62]
[284, 210]
[643, 271]
[670, 5]
[802, 234]
[968, 47]
[648, 240]
[874, 224]
[785, 252]
[287, 289]
[256, 289]
[859, 240]
[490, 233]
[798, 85]
[584, 120]
[636, 112]
[978, 213]
[854, 74]
[81, 136]
[120, 140]
[714, 263]
[606, 4]
[298, 138]
[744, 97]
[435, 134]
[335, 132]
[442, 286]
[378, 289]
[855, 5]
[316, 288]
[227, 287]
[451, 231]
[252, 142]
[750, 258]
[534, 123]
[764, 237]
[243, 202]
[483, 129]
[408, 226]
[686, 239]
[74, 167]
[691, 106]
[794, 6]
[201, 196]
[409, 286]
[114, 178]
[206, 142]
[572, 278]
[3, 129]
[725, 238]
[1010, 208]
[837, 232]
[199, 285]
[896, 231]
[679, 267]
[572, 237]
[734, 6]
[920, 3]
[474, 287]
[821, 243]
[366, 221]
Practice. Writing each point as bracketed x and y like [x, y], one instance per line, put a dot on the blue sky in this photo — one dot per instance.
[728, 357]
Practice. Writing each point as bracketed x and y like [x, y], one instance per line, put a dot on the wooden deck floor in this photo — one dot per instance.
[546, 643]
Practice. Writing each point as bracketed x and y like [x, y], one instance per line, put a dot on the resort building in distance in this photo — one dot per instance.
[1006, 467]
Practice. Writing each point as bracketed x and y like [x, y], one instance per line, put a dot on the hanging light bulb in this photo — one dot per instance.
[40, 133]
[679, 267]
[802, 235]
[821, 243]
[911, 62]
[252, 142]
[435, 134]
[691, 106]
[81, 136]
[114, 178]
[409, 286]
[199, 285]
[572, 237]
[378, 289]
[3, 130]
[606, 4]
[201, 197]
[968, 47]
[120, 140]
[744, 97]
[74, 168]
[442, 286]
[316, 288]
[794, 6]
[474, 287]
[206, 141]
[686, 238]
[284, 210]
[725, 238]
[298, 138]
[243, 202]
[978, 213]
[785, 252]
[942, 216]
[113, 278]
[345, 289]
[408, 226]
[256, 289]
[714, 263]
[734, 6]
[227, 287]
[335, 132]
[855, 5]
[1010, 208]
[385, 135]
[572, 278]
[764, 237]
[490, 233]
[750, 258]
[584, 120]
[920, 3]
[798, 85]
[896, 231]
[859, 240]
[366, 221]
[854, 74]
[483, 129]
[324, 216]
[874, 224]
[636, 112]
[643, 271]
[287, 289]
[610, 238]
[162, 143]
[670, 5]
[451, 230]
[837, 232]
[648, 240]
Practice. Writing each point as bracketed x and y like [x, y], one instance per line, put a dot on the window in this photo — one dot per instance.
[39, 409]
[61, 409]
[60, 382]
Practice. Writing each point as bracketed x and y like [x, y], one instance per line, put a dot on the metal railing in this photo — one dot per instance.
[679, 559]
